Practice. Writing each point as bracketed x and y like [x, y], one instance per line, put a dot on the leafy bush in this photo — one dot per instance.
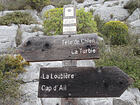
[17, 18]
[116, 31]
[60, 3]
[37, 4]
[10, 68]
[14, 4]
[54, 22]
[80, 1]
[132, 5]
[100, 23]
[85, 22]
[123, 57]
[1, 7]
[18, 37]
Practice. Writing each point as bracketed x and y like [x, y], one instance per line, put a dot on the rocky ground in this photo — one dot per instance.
[110, 10]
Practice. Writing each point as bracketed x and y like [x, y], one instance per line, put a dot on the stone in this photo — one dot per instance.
[112, 13]
[136, 93]
[46, 8]
[31, 28]
[139, 41]
[135, 27]
[29, 93]
[26, 35]
[35, 15]
[122, 3]
[51, 101]
[111, 3]
[135, 16]
[32, 71]
[95, 101]
[127, 98]
[90, 4]
[7, 38]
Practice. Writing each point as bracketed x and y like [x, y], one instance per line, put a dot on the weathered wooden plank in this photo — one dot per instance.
[72, 82]
[61, 47]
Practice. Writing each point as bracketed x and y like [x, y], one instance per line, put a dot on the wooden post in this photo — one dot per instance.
[69, 101]
[69, 28]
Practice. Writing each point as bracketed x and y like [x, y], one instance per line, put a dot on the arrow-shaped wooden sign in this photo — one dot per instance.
[62, 47]
[82, 82]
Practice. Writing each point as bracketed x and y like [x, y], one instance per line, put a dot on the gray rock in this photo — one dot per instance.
[3, 13]
[135, 16]
[112, 13]
[135, 27]
[136, 93]
[35, 15]
[127, 98]
[90, 4]
[26, 35]
[93, 7]
[32, 71]
[111, 3]
[31, 28]
[122, 3]
[29, 93]
[51, 101]
[95, 101]
[7, 38]
[139, 41]
[46, 8]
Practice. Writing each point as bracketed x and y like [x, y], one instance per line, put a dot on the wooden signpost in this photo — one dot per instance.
[70, 81]
[82, 82]
[62, 47]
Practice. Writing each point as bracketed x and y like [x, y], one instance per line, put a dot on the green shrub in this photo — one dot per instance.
[132, 5]
[116, 31]
[1, 7]
[80, 1]
[38, 4]
[17, 18]
[100, 23]
[85, 22]
[60, 3]
[14, 4]
[54, 22]
[124, 58]
[10, 68]
[18, 37]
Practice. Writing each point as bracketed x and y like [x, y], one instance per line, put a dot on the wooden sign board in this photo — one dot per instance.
[73, 82]
[62, 47]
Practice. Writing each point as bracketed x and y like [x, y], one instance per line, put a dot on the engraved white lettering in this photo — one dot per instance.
[58, 76]
[83, 51]
[78, 41]
[54, 88]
